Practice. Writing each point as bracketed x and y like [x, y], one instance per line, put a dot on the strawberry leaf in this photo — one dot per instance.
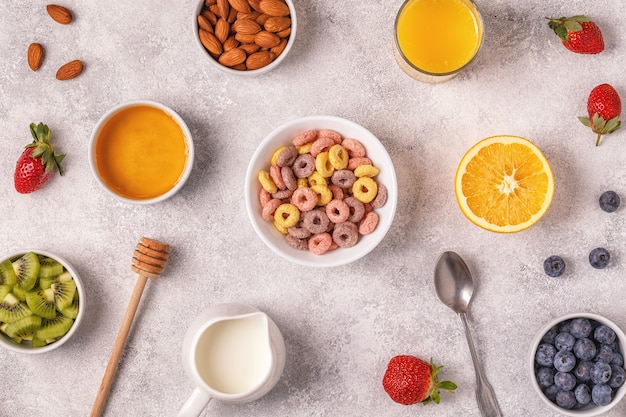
[585, 121]
[573, 26]
[435, 397]
[580, 18]
[612, 125]
[447, 385]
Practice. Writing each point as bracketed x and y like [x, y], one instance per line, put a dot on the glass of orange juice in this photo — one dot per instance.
[435, 39]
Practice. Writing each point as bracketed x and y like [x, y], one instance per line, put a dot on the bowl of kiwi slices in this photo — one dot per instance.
[41, 301]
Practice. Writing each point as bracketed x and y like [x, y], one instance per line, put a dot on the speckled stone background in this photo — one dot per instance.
[341, 325]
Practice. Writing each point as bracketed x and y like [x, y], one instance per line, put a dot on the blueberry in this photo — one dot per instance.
[583, 394]
[551, 392]
[550, 335]
[604, 334]
[565, 380]
[564, 341]
[583, 370]
[564, 361]
[601, 394]
[600, 373]
[580, 328]
[599, 258]
[609, 201]
[545, 354]
[585, 349]
[605, 353]
[545, 376]
[617, 359]
[618, 375]
[554, 266]
[566, 399]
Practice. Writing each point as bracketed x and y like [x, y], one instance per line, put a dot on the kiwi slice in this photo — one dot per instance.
[53, 328]
[3, 329]
[71, 310]
[24, 328]
[19, 293]
[7, 273]
[46, 282]
[49, 267]
[11, 309]
[41, 303]
[63, 293]
[27, 270]
[4, 290]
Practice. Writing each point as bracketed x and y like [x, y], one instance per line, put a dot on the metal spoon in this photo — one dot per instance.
[455, 286]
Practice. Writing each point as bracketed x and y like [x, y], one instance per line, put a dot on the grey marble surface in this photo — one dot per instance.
[341, 325]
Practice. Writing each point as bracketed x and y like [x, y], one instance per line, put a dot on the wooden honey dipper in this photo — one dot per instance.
[149, 260]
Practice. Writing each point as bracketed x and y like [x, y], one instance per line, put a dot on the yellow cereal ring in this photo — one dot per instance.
[306, 148]
[366, 171]
[338, 156]
[316, 179]
[364, 189]
[276, 154]
[323, 165]
[303, 182]
[266, 182]
[286, 215]
[280, 228]
[324, 195]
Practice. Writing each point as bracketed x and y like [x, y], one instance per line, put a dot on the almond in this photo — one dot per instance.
[251, 15]
[262, 19]
[230, 43]
[232, 16]
[259, 59]
[277, 23]
[59, 14]
[210, 42]
[244, 38]
[215, 10]
[70, 70]
[35, 56]
[255, 4]
[233, 57]
[240, 67]
[246, 26]
[240, 5]
[284, 33]
[208, 3]
[222, 29]
[278, 49]
[266, 39]
[203, 23]
[274, 7]
[224, 8]
[250, 48]
[210, 16]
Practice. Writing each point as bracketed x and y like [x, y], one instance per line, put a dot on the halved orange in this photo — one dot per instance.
[504, 184]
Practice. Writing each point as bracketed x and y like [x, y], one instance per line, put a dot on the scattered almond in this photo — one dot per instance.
[246, 26]
[233, 57]
[266, 39]
[259, 59]
[240, 5]
[70, 70]
[210, 42]
[35, 56]
[59, 14]
[274, 7]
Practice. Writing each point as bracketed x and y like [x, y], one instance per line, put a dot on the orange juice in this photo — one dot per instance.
[141, 152]
[438, 36]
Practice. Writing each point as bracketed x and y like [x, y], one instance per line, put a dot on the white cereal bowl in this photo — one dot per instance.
[261, 161]
[213, 62]
[590, 409]
[9, 344]
[179, 121]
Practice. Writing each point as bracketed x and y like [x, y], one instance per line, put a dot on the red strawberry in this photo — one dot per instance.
[37, 162]
[410, 380]
[604, 107]
[579, 34]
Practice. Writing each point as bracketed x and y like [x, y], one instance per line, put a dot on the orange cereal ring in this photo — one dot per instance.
[364, 189]
[324, 195]
[338, 156]
[316, 179]
[343, 178]
[354, 147]
[268, 209]
[381, 197]
[316, 221]
[338, 193]
[321, 145]
[286, 215]
[346, 234]
[277, 177]
[304, 165]
[287, 156]
[366, 171]
[305, 137]
[294, 242]
[357, 161]
[264, 197]
[320, 243]
[369, 223]
[337, 211]
[306, 148]
[323, 165]
[328, 133]
[304, 199]
[357, 209]
[266, 182]
[277, 152]
[289, 178]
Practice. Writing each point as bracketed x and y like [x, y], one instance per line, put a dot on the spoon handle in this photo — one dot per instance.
[487, 403]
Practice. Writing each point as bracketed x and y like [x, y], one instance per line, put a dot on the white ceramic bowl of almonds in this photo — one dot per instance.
[283, 136]
[253, 38]
[57, 292]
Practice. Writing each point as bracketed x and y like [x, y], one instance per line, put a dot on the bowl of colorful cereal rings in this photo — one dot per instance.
[321, 191]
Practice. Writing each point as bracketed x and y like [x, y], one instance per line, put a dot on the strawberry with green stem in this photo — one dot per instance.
[37, 162]
[604, 108]
[410, 380]
[578, 34]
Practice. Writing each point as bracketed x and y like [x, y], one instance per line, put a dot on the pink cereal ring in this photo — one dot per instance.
[316, 221]
[346, 234]
[354, 147]
[337, 211]
[296, 243]
[277, 177]
[304, 199]
[328, 133]
[304, 165]
[320, 243]
[369, 223]
[264, 197]
[268, 209]
[289, 178]
[381, 197]
[287, 156]
[305, 137]
[321, 145]
[338, 193]
[357, 209]
[357, 161]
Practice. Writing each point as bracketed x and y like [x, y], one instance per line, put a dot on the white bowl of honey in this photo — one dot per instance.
[141, 152]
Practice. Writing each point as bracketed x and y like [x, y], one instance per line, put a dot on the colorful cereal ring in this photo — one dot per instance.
[364, 189]
[286, 215]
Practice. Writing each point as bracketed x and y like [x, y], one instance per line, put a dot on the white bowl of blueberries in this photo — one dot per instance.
[577, 364]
